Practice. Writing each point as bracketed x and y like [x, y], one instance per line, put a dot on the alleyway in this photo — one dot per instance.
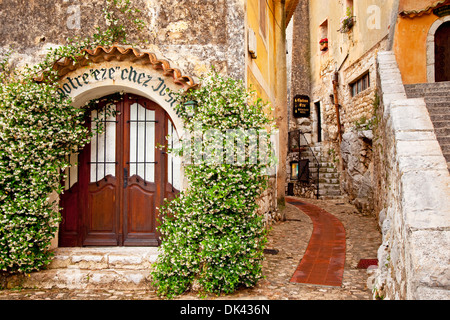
[288, 241]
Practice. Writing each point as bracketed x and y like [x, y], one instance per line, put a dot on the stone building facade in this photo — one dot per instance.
[180, 42]
[383, 120]
[340, 81]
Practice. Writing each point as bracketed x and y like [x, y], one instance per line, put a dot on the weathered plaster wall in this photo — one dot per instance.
[349, 56]
[300, 75]
[410, 47]
[192, 34]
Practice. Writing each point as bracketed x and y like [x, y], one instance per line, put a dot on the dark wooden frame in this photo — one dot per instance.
[127, 196]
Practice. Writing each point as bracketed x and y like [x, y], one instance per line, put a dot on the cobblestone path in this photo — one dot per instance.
[288, 241]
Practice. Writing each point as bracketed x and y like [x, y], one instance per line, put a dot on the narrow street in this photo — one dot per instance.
[287, 244]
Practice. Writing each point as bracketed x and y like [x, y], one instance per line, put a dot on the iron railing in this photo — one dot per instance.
[299, 136]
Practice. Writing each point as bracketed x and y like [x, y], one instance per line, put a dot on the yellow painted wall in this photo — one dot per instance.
[261, 71]
[410, 47]
[372, 25]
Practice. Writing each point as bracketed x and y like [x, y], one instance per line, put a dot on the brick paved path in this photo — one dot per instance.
[324, 258]
[289, 239]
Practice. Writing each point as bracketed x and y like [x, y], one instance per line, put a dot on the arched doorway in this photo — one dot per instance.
[442, 53]
[113, 196]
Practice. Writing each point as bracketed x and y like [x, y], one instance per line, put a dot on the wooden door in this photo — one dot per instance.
[122, 179]
[442, 53]
[143, 170]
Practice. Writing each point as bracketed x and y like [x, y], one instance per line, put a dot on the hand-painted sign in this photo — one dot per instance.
[301, 108]
[130, 74]
[442, 11]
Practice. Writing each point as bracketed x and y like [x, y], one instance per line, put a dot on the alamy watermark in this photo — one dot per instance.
[74, 18]
[236, 147]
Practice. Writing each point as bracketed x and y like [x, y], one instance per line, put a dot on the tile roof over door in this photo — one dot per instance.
[419, 7]
[119, 53]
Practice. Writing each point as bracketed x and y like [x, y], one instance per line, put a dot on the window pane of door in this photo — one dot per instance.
[103, 146]
[142, 142]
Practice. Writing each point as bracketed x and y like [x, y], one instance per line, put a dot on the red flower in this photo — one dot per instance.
[324, 40]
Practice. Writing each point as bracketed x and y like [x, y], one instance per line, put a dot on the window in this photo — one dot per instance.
[323, 36]
[360, 85]
[262, 17]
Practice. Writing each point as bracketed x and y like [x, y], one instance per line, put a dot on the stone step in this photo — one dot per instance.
[444, 100]
[436, 108]
[433, 93]
[444, 132]
[104, 258]
[436, 86]
[329, 182]
[427, 93]
[440, 124]
[440, 117]
[85, 279]
[444, 141]
[91, 268]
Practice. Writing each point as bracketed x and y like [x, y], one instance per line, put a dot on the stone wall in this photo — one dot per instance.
[358, 119]
[191, 34]
[412, 195]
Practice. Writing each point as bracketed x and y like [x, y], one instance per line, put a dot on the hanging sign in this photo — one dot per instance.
[301, 106]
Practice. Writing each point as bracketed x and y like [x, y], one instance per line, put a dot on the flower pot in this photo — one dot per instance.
[324, 46]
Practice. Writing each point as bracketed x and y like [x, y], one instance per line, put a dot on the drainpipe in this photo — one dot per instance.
[336, 105]
[281, 96]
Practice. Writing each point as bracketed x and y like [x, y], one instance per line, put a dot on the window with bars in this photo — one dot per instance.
[360, 85]
[142, 142]
[103, 146]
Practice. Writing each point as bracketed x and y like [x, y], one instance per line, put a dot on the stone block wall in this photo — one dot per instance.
[191, 34]
[412, 195]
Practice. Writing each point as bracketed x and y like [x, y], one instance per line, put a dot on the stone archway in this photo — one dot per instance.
[431, 59]
[108, 70]
[111, 70]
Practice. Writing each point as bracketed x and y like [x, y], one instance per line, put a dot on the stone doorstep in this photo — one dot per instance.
[91, 268]
[104, 258]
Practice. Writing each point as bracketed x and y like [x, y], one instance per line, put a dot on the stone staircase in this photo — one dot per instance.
[93, 268]
[437, 99]
[329, 185]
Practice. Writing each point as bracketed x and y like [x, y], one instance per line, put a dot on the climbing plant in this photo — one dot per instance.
[39, 128]
[212, 236]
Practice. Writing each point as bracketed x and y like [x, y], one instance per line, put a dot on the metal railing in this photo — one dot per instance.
[299, 136]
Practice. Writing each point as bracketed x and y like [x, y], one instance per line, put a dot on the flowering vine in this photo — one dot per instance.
[212, 237]
[39, 128]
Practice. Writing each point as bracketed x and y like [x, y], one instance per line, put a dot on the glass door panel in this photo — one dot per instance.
[142, 142]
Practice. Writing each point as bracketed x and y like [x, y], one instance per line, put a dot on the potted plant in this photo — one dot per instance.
[348, 21]
[323, 44]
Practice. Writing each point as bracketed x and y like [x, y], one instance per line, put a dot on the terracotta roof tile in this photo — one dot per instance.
[118, 53]
[419, 7]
